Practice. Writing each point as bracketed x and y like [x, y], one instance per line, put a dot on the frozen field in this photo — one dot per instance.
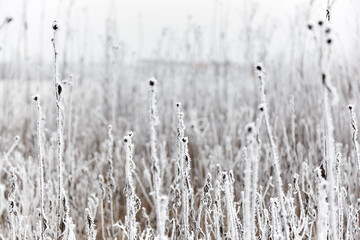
[236, 130]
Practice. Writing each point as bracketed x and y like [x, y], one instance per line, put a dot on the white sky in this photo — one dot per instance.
[146, 19]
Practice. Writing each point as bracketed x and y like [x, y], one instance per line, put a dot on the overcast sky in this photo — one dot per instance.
[140, 23]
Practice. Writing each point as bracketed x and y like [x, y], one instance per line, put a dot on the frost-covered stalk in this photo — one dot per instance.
[155, 167]
[340, 193]
[330, 156]
[217, 212]
[187, 190]
[132, 201]
[13, 146]
[12, 203]
[59, 123]
[176, 187]
[184, 163]
[90, 225]
[354, 135]
[322, 223]
[110, 178]
[68, 231]
[231, 210]
[276, 226]
[278, 180]
[205, 202]
[102, 198]
[251, 178]
[180, 128]
[262, 217]
[247, 204]
[40, 135]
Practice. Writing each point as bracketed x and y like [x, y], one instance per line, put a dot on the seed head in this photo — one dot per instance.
[152, 81]
[320, 23]
[178, 104]
[310, 26]
[8, 19]
[329, 41]
[350, 106]
[55, 25]
[261, 107]
[328, 30]
[59, 89]
[35, 98]
[250, 127]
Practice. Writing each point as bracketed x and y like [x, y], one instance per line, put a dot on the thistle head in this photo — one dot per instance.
[250, 128]
[261, 107]
[36, 98]
[152, 82]
[259, 67]
[8, 19]
[55, 25]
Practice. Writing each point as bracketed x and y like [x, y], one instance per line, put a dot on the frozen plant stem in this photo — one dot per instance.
[155, 168]
[251, 177]
[40, 127]
[322, 223]
[132, 201]
[330, 157]
[354, 135]
[231, 210]
[90, 226]
[340, 193]
[278, 180]
[102, 197]
[110, 178]
[59, 123]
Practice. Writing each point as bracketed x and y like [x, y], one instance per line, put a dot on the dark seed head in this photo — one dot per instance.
[328, 30]
[125, 139]
[55, 26]
[350, 106]
[329, 41]
[151, 82]
[320, 23]
[59, 89]
[310, 26]
[35, 98]
[9, 19]
[258, 67]
[261, 107]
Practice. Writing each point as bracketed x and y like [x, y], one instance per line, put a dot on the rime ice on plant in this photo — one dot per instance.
[132, 201]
